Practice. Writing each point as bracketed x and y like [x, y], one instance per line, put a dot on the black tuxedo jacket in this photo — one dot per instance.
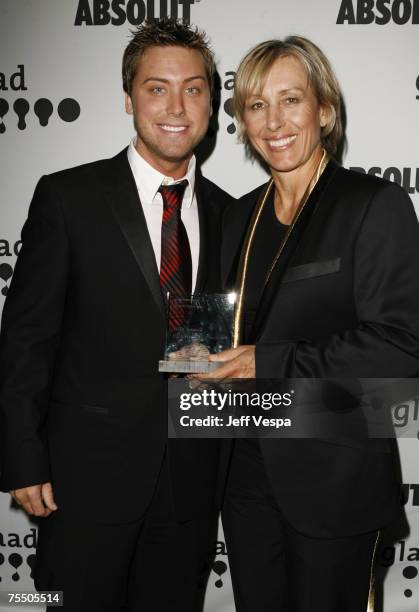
[82, 401]
[342, 301]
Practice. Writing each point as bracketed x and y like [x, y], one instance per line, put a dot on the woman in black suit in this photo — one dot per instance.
[326, 265]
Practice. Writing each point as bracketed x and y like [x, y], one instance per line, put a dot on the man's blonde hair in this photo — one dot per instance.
[166, 32]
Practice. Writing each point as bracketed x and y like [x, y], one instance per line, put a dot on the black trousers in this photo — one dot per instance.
[276, 569]
[152, 565]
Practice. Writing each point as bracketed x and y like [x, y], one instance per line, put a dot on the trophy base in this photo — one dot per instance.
[186, 366]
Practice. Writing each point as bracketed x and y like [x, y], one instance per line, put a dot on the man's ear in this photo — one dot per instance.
[128, 104]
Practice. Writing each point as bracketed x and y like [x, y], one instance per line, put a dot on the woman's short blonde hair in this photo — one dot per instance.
[253, 71]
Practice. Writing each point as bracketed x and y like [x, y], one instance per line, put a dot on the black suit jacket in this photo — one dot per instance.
[82, 401]
[342, 301]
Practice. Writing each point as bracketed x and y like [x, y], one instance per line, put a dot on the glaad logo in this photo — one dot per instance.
[408, 178]
[401, 554]
[6, 273]
[116, 12]
[15, 560]
[389, 554]
[406, 416]
[410, 572]
[68, 109]
[6, 270]
[219, 566]
[228, 104]
[380, 11]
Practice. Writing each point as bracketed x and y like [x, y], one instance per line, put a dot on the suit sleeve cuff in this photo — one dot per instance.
[18, 471]
[275, 360]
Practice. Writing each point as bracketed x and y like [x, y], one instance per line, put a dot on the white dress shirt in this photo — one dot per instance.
[148, 181]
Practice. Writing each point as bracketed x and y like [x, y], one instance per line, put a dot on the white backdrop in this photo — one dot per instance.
[61, 104]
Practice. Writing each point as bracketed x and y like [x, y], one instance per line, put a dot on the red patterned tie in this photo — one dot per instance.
[176, 261]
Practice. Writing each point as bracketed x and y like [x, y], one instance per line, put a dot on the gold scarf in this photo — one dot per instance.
[248, 243]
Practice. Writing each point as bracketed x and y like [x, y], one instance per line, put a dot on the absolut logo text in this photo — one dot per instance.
[117, 12]
[380, 12]
[408, 178]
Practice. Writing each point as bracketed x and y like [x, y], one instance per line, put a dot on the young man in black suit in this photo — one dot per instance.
[128, 518]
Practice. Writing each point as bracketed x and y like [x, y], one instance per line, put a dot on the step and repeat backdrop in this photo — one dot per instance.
[61, 104]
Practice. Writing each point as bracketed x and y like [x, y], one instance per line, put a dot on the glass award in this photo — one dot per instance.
[198, 325]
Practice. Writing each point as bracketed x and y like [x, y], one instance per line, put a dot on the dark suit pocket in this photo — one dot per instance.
[85, 427]
[310, 270]
[99, 410]
[72, 409]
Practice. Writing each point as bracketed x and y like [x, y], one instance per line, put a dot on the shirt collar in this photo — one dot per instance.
[148, 179]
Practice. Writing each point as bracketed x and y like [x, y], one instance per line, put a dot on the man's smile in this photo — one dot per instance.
[174, 129]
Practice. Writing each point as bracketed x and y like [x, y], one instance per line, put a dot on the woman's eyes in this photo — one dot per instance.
[257, 105]
[291, 100]
[288, 101]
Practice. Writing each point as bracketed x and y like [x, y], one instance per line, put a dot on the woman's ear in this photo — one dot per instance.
[324, 115]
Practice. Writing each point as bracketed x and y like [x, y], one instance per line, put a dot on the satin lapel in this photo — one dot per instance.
[122, 196]
[204, 218]
[295, 242]
[231, 247]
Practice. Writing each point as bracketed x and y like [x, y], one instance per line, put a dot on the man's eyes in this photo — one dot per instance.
[192, 90]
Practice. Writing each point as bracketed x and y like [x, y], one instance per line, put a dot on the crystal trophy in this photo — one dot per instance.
[198, 325]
